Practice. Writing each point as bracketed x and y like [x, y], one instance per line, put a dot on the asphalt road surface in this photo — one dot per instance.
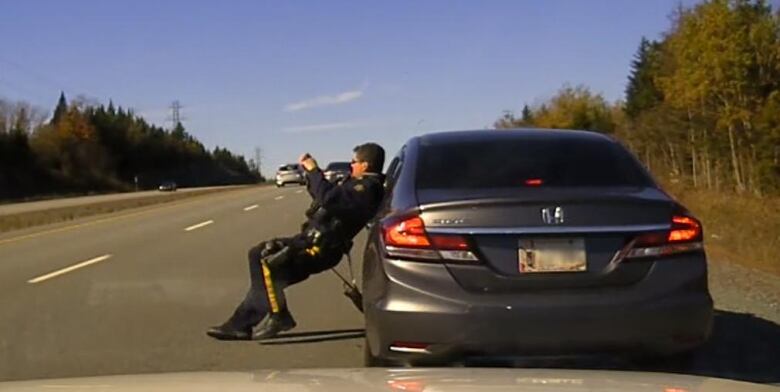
[147, 288]
[133, 292]
[15, 208]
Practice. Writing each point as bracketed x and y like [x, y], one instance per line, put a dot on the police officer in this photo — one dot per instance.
[338, 213]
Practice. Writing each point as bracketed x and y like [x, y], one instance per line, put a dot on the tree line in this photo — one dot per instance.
[702, 103]
[96, 148]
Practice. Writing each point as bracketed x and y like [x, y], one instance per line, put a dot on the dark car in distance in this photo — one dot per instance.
[337, 171]
[168, 186]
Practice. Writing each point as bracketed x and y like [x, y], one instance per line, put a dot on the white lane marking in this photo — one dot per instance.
[250, 208]
[69, 269]
[299, 191]
[199, 225]
[278, 197]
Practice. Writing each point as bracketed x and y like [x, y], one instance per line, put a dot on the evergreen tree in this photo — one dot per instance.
[61, 109]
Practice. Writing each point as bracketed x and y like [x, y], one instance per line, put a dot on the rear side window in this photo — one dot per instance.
[288, 167]
[525, 162]
[339, 166]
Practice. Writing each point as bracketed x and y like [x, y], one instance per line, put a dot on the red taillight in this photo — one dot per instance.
[534, 182]
[651, 239]
[449, 242]
[684, 228]
[407, 239]
[406, 233]
[684, 236]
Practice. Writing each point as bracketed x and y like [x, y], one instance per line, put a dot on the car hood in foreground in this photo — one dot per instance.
[455, 379]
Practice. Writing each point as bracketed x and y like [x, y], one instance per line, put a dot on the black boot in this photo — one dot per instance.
[228, 332]
[273, 324]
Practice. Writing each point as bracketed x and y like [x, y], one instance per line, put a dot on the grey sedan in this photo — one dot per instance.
[529, 243]
[290, 174]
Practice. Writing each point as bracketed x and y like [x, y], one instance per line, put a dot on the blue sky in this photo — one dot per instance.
[320, 76]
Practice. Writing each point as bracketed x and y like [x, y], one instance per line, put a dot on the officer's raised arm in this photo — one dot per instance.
[316, 183]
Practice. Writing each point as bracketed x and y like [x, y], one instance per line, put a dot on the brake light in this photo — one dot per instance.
[407, 238]
[406, 233]
[684, 228]
[685, 236]
[534, 182]
[651, 239]
[449, 242]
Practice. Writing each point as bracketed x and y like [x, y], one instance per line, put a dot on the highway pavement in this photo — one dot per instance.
[134, 292]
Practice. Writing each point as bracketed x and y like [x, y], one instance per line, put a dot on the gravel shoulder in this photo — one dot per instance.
[745, 341]
[741, 289]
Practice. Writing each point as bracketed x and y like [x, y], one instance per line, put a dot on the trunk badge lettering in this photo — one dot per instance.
[552, 215]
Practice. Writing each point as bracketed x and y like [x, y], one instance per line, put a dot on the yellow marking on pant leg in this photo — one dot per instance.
[269, 288]
[313, 251]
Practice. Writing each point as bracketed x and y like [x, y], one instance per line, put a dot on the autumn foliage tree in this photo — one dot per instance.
[87, 148]
[702, 104]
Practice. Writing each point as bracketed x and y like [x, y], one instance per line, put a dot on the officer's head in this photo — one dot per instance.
[367, 158]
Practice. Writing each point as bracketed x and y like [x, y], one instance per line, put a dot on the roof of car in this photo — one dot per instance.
[512, 134]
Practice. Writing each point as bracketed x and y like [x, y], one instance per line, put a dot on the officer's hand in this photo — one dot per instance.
[307, 162]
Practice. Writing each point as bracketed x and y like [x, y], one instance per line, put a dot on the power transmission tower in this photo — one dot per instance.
[175, 115]
[258, 158]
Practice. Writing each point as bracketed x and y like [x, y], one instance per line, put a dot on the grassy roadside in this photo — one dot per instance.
[55, 215]
[740, 229]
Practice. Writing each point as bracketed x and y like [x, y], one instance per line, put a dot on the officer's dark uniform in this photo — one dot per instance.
[350, 205]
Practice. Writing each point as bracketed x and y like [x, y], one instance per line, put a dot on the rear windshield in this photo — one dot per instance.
[535, 162]
[339, 166]
[288, 167]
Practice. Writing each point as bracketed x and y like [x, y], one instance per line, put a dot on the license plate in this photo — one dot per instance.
[552, 255]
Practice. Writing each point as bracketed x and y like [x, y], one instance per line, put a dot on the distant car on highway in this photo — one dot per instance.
[168, 186]
[530, 242]
[337, 171]
[290, 174]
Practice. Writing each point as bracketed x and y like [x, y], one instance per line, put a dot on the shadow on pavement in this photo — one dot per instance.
[742, 347]
[315, 336]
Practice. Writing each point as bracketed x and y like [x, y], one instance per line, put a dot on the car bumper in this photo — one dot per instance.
[335, 176]
[291, 179]
[667, 312]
